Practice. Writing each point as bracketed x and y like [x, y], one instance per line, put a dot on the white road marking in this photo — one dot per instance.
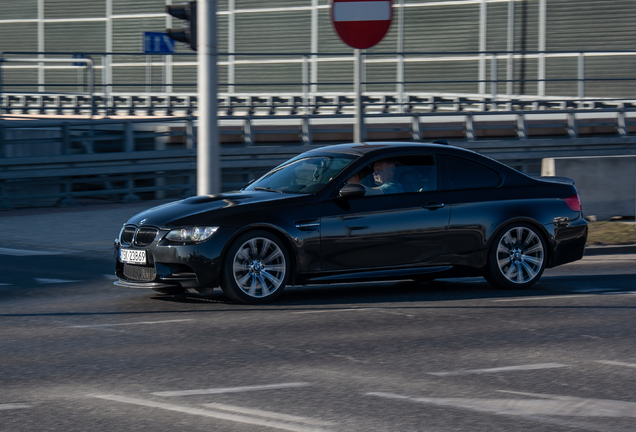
[542, 298]
[14, 406]
[53, 281]
[210, 413]
[230, 389]
[21, 252]
[129, 324]
[616, 363]
[111, 276]
[5, 284]
[267, 414]
[502, 369]
[333, 310]
[546, 405]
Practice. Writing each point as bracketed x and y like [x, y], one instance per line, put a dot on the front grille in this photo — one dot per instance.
[127, 235]
[145, 236]
[143, 273]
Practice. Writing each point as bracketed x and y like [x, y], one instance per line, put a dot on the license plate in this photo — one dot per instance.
[132, 256]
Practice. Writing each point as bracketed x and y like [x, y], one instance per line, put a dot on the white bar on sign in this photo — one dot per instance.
[362, 11]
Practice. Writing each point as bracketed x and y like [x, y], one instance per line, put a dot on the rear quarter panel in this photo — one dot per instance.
[478, 215]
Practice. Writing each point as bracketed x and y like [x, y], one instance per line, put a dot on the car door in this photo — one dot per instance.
[376, 231]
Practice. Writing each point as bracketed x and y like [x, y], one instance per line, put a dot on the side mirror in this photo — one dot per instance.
[352, 190]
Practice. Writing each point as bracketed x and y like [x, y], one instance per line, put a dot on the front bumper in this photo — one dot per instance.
[170, 265]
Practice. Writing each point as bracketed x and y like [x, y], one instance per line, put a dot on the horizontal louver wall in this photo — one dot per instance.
[285, 26]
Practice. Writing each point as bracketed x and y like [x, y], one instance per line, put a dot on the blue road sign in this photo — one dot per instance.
[157, 43]
[79, 56]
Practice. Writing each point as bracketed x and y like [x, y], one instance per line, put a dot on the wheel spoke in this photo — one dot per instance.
[239, 268]
[273, 279]
[264, 248]
[530, 239]
[254, 251]
[243, 280]
[503, 249]
[276, 268]
[273, 256]
[529, 270]
[533, 260]
[520, 278]
[243, 254]
[535, 248]
[252, 288]
[504, 262]
[510, 272]
[507, 239]
[519, 236]
[264, 289]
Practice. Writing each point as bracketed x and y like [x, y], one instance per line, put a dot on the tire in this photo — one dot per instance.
[255, 269]
[517, 257]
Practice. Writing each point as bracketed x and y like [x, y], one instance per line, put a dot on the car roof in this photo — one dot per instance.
[361, 149]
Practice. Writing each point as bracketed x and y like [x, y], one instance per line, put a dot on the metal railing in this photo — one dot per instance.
[566, 76]
[57, 162]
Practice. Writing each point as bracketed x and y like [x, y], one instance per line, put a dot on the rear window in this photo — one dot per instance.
[460, 173]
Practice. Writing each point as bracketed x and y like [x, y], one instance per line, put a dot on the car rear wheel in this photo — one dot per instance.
[517, 257]
[256, 268]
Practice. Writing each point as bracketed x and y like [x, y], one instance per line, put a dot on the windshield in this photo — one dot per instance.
[303, 175]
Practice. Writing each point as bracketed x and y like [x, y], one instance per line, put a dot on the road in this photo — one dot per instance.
[78, 354]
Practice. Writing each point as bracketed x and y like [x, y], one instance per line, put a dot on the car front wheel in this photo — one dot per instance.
[517, 257]
[256, 268]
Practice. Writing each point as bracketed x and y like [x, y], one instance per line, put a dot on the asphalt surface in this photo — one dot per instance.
[78, 354]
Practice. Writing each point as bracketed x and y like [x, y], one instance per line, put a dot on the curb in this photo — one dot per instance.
[593, 250]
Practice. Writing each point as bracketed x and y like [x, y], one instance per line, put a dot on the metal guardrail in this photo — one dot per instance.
[56, 162]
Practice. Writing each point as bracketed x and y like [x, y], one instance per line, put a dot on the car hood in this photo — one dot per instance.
[204, 208]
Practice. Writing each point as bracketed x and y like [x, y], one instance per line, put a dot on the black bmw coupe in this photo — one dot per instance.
[358, 212]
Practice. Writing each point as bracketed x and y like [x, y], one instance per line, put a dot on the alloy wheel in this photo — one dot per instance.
[520, 255]
[259, 267]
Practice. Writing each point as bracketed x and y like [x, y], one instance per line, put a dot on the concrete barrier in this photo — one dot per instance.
[606, 184]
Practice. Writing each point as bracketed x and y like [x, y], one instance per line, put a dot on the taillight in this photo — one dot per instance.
[574, 202]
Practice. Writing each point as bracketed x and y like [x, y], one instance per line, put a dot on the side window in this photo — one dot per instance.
[460, 173]
[401, 174]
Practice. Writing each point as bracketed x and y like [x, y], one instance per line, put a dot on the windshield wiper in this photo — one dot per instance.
[267, 189]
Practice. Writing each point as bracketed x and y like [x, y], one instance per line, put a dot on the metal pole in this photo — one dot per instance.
[359, 134]
[493, 79]
[148, 74]
[511, 46]
[542, 46]
[208, 151]
[305, 80]
[314, 45]
[400, 59]
[1, 109]
[482, 47]
[581, 78]
[231, 45]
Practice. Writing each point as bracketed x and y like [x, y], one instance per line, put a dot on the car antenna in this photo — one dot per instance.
[441, 141]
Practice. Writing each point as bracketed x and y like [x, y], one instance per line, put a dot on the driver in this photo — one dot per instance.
[383, 173]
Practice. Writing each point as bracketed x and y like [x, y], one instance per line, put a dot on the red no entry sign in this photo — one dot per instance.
[361, 23]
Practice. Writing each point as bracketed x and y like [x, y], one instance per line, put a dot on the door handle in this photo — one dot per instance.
[433, 205]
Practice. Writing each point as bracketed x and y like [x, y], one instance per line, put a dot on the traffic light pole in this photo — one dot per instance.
[208, 147]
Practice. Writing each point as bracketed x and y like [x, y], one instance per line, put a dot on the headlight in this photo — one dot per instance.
[191, 234]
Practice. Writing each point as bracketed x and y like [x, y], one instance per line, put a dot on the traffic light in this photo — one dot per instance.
[188, 32]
